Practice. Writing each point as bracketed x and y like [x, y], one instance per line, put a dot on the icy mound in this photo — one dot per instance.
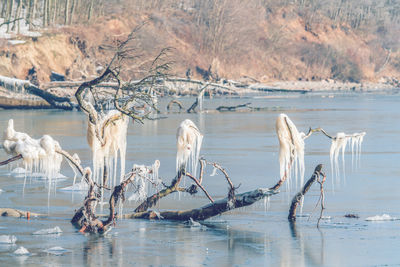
[76, 187]
[7, 239]
[50, 231]
[21, 251]
[378, 218]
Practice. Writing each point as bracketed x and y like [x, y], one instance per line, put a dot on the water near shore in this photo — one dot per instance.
[247, 146]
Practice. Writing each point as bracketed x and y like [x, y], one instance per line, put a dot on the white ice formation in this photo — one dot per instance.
[146, 176]
[338, 146]
[51, 231]
[291, 148]
[7, 239]
[21, 251]
[114, 145]
[383, 217]
[39, 155]
[188, 144]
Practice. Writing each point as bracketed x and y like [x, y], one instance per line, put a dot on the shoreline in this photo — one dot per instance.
[16, 100]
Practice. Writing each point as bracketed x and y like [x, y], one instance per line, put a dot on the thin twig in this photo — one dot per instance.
[11, 160]
[199, 185]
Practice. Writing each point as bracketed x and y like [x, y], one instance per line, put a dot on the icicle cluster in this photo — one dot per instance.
[146, 176]
[188, 144]
[291, 148]
[39, 155]
[114, 136]
[339, 143]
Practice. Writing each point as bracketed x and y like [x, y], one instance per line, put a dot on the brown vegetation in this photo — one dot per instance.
[264, 40]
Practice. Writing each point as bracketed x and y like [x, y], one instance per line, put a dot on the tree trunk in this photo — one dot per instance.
[45, 3]
[71, 19]
[66, 21]
[90, 10]
[10, 5]
[3, 8]
[33, 14]
[54, 12]
[17, 16]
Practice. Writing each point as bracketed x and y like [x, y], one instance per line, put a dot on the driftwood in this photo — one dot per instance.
[7, 212]
[232, 108]
[297, 198]
[174, 101]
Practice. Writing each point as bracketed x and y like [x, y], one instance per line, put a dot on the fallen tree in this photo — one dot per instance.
[21, 86]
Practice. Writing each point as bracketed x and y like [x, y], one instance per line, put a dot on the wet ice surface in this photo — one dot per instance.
[247, 146]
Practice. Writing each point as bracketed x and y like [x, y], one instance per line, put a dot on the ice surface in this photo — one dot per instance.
[56, 250]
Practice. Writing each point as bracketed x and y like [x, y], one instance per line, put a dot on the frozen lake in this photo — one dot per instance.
[245, 144]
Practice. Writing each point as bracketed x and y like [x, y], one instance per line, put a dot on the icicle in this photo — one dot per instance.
[291, 149]
[39, 155]
[114, 137]
[214, 172]
[189, 140]
[338, 146]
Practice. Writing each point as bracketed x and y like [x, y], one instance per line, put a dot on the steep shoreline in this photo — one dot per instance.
[18, 100]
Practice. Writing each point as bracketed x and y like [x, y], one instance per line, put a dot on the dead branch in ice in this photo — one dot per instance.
[297, 198]
[198, 101]
[174, 101]
[232, 108]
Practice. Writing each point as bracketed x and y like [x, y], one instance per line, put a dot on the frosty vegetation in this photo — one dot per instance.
[106, 136]
[38, 155]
